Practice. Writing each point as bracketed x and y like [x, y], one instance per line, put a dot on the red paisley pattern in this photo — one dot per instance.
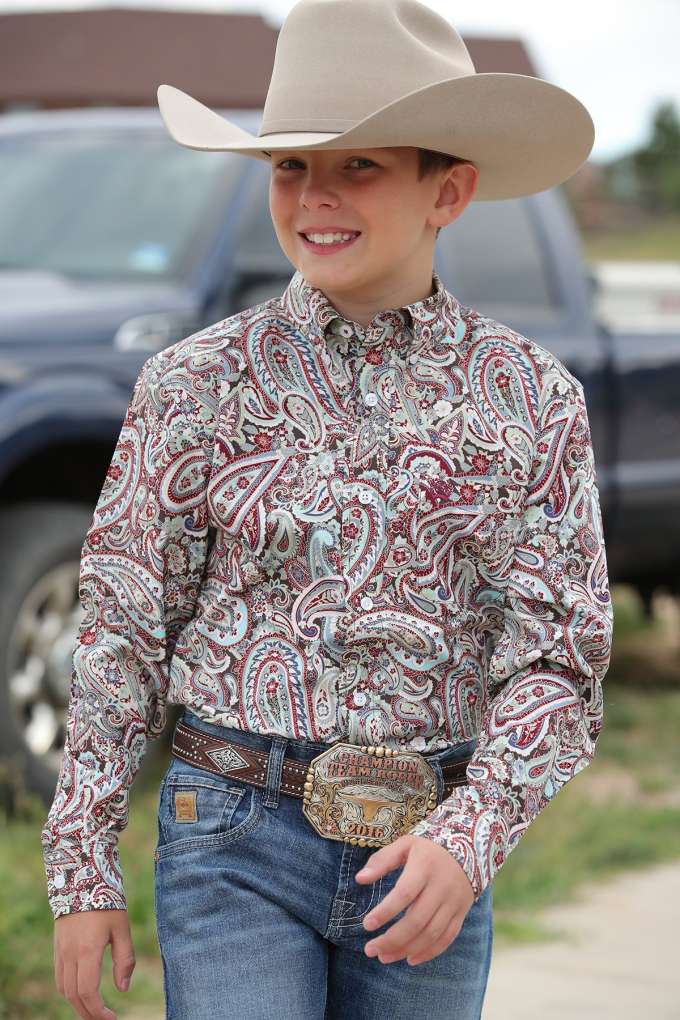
[387, 534]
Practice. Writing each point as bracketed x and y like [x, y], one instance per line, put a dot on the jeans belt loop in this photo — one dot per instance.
[436, 765]
[274, 767]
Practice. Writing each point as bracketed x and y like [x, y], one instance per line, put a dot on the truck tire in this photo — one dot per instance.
[40, 611]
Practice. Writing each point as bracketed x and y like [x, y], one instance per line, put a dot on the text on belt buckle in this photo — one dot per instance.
[368, 796]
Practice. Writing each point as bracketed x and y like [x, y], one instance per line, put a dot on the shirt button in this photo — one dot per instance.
[371, 399]
[59, 881]
[413, 358]
[359, 698]
[367, 602]
[364, 497]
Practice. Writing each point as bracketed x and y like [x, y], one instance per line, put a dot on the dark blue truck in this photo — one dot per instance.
[116, 242]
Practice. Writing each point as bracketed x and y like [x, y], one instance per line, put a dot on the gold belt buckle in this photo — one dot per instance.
[368, 796]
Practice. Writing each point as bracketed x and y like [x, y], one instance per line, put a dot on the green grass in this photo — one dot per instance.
[641, 734]
[629, 617]
[659, 240]
[26, 927]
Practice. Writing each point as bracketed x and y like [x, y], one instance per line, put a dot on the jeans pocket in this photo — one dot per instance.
[198, 809]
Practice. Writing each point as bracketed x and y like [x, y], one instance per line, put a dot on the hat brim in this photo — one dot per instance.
[522, 133]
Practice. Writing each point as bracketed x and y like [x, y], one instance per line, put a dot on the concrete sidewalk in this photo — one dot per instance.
[620, 959]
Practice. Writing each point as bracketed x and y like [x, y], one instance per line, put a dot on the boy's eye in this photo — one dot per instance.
[355, 159]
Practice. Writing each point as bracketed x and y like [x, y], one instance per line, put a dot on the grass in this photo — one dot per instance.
[26, 927]
[593, 828]
[658, 240]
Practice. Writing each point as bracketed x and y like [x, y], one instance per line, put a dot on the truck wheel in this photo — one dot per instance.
[40, 548]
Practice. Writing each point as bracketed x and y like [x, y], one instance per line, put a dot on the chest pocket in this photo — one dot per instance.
[465, 518]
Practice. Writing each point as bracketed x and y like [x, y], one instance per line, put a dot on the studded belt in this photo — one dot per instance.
[368, 796]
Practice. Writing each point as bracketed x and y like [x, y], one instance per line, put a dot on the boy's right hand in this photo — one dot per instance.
[80, 939]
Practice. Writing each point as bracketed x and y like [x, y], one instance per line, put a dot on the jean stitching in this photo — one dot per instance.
[340, 897]
[166, 989]
[218, 839]
[349, 868]
[349, 922]
[232, 799]
[272, 793]
[191, 779]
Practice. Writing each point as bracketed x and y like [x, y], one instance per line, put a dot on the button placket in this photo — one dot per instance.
[394, 357]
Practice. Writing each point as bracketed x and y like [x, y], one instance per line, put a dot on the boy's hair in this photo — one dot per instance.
[431, 162]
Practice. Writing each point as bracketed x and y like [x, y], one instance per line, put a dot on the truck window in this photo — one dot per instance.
[492, 260]
[106, 203]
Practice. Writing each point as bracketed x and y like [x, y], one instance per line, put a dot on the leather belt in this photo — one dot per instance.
[359, 794]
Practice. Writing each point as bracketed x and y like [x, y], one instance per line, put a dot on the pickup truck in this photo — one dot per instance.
[116, 242]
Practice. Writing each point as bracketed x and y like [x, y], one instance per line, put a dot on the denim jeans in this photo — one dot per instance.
[259, 917]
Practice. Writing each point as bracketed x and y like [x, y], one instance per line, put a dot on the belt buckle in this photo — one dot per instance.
[367, 796]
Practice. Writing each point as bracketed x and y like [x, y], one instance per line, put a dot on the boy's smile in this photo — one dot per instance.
[325, 241]
[319, 197]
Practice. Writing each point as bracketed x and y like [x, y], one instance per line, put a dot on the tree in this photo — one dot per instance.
[658, 162]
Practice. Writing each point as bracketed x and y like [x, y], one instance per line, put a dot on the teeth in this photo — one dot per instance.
[329, 238]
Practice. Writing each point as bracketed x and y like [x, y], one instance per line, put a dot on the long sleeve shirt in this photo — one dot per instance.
[385, 534]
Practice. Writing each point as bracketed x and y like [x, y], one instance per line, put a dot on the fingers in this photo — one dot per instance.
[434, 939]
[71, 988]
[89, 976]
[80, 941]
[58, 967]
[422, 943]
[445, 940]
[122, 954]
[418, 917]
[407, 888]
[84, 1004]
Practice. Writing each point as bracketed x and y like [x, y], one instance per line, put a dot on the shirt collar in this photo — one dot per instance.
[399, 328]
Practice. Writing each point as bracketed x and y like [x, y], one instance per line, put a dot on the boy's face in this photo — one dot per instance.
[374, 191]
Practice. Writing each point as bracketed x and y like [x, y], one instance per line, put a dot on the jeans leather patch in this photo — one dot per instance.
[185, 806]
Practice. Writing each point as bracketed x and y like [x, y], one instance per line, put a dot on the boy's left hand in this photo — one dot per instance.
[436, 886]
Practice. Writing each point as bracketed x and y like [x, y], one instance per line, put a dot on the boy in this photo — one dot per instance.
[355, 531]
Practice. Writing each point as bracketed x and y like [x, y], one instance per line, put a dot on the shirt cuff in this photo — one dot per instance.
[84, 877]
[472, 832]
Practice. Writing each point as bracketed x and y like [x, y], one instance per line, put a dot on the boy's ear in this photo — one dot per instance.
[457, 190]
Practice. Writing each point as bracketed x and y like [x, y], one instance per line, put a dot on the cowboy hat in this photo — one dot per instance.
[373, 73]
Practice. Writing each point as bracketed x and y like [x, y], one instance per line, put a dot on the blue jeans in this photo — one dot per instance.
[260, 918]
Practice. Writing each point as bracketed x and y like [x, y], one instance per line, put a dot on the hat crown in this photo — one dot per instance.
[356, 42]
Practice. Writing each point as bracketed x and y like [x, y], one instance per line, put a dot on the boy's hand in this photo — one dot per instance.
[436, 886]
[80, 939]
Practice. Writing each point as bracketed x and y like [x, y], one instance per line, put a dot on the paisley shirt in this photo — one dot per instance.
[387, 534]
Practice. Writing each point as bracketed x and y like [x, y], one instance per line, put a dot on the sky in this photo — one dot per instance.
[619, 57]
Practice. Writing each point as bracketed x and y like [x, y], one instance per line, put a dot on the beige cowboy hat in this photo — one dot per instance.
[373, 73]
